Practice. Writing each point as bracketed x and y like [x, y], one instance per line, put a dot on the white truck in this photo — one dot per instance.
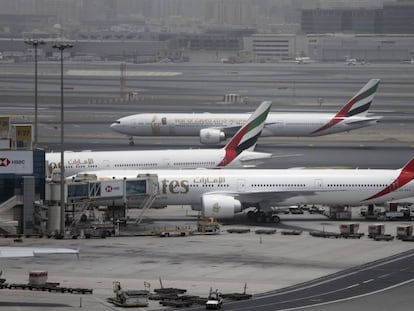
[214, 302]
[406, 213]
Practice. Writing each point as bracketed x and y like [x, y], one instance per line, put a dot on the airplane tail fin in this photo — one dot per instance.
[406, 175]
[409, 167]
[360, 103]
[246, 137]
[356, 106]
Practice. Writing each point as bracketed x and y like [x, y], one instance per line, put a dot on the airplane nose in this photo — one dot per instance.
[116, 125]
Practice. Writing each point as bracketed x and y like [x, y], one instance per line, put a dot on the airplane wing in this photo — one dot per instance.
[273, 197]
[364, 120]
[10, 252]
[247, 156]
[254, 158]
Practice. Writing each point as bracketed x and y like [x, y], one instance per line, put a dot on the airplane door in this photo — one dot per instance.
[155, 126]
[241, 185]
[170, 124]
[106, 164]
[167, 163]
[318, 183]
[394, 184]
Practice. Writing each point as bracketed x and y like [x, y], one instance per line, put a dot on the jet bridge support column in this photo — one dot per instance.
[152, 192]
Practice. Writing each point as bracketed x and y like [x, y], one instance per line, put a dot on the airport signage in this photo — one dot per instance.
[113, 188]
[16, 162]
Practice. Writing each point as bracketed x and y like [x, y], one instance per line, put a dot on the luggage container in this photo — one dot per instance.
[376, 229]
[350, 228]
[37, 277]
[404, 231]
[350, 231]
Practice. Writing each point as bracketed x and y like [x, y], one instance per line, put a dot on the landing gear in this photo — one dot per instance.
[131, 141]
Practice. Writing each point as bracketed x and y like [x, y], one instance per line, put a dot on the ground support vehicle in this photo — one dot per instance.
[129, 298]
[384, 237]
[325, 234]
[291, 232]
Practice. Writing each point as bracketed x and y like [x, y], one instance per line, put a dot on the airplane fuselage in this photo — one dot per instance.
[277, 124]
[278, 186]
[237, 152]
[145, 159]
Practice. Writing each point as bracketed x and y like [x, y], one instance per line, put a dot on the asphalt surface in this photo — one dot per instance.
[282, 272]
[92, 103]
[344, 277]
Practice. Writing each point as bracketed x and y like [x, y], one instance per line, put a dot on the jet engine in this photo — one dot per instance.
[211, 136]
[220, 206]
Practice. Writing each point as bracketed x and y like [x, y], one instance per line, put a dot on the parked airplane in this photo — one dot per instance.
[224, 193]
[214, 127]
[8, 252]
[237, 153]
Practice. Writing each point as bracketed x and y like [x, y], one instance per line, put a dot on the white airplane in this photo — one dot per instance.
[224, 193]
[10, 251]
[212, 128]
[238, 152]
[304, 60]
[351, 61]
[410, 61]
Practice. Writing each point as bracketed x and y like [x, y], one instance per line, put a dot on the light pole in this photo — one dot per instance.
[35, 44]
[61, 47]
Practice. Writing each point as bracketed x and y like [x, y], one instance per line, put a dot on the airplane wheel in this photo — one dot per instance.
[276, 219]
[131, 143]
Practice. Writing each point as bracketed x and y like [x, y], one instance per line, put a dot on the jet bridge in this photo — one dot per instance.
[86, 186]
[85, 190]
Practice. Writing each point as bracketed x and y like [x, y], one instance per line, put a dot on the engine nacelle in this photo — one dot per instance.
[220, 206]
[211, 136]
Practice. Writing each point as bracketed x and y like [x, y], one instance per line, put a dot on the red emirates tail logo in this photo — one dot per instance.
[4, 162]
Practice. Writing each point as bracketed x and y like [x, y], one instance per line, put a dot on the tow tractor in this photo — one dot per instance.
[214, 302]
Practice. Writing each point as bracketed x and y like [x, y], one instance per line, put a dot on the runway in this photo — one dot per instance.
[362, 281]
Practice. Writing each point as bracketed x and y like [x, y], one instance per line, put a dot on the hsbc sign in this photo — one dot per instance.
[4, 162]
[113, 188]
[16, 162]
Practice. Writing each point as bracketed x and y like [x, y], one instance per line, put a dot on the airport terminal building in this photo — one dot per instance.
[367, 47]
[22, 178]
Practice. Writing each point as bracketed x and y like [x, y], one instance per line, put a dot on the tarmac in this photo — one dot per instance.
[224, 261]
